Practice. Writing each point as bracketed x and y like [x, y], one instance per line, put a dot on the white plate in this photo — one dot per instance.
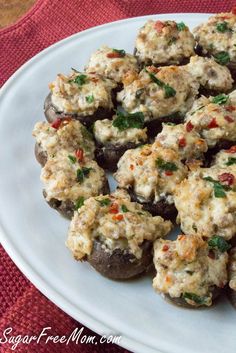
[34, 235]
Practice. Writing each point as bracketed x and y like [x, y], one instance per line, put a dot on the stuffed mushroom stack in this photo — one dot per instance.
[164, 120]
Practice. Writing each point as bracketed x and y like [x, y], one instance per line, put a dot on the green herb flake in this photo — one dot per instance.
[169, 91]
[194, 227]
[86, 133]
[72, 159]
[222, 58]
[82, 174]
[104, 202]
[79, 80]
[223, 27]
[220, 99]
[167, 166]
[79, 203]
[231, 161]
[124, 208]
[121, 52]
[219, 243]
[125, 121]
[90, 99]
[181, 26]
[219, 189]
[195, 298]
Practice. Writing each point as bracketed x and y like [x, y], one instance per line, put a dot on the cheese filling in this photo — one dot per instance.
[187, 268]
[206, 202]
[164, 42]
[112, 63]
[69, 136]
[152, 173]
[116, 222]
[81, 93]
[159, 92]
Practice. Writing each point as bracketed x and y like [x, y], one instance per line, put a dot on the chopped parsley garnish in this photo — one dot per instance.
[79, 203]
[126, 121]
[181, 26]
[169, 91]
[79, 80]
[222, 58]
[219, 243]
[121, 52]
[167, 166]
[82, 174]
[124, 208]
[231, 161]
[194, 227]
[72, 159]
[104, 202]
[195, 298]
[90, 99]
[223, 27]
[219, 189]
[220, 99]
[86, 133]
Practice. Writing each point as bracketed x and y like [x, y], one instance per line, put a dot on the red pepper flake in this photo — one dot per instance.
[233, 10]
[229, 119]
[211, 255]
[131, 166]
[226, 178]
[231, 150]
[168, 172]
[158, 26]
[213, 124]
[56, 124]
[80, 154]
[114, 208]
[153, 69]
[182, 142]
[165, 248]
[189, 126]
[230, 108]
[114, 55]
[118, 217]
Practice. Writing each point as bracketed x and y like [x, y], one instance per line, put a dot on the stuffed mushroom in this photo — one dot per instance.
[206, 202]
[69, 178]
[191, 272]
[214, 118]
[151, 176]
[83, 96]
[68, 134]
[114, 137]
[212, 76]
[115, 235]
[162, 94]
[164, 43]
[112, 63]
[216, 38]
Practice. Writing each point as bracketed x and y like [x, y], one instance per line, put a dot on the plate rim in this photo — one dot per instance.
[56, 297]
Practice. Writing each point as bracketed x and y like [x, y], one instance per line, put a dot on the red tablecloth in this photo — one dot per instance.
[22, 306]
